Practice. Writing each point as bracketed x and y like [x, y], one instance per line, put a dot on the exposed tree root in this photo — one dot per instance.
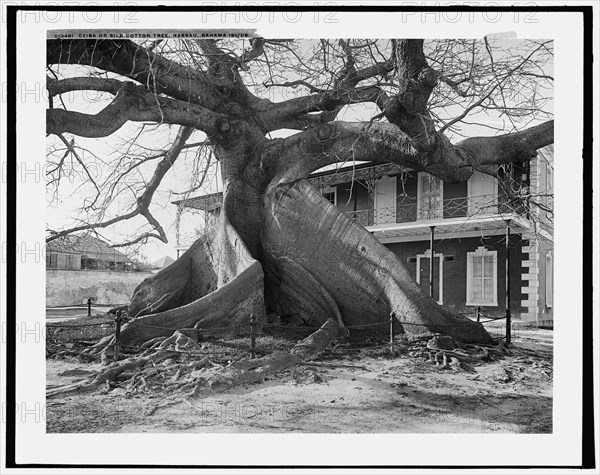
[180, 365]
[445, 352]
[108, 375]
[255, 371]
[138, 370]
[337, 365]
[194, 377]
[243, 296]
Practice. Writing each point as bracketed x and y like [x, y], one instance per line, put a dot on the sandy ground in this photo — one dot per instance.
[338, 394]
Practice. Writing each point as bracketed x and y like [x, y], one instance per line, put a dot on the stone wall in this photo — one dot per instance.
[72, 287]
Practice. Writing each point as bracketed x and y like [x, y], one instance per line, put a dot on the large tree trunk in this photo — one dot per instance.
[320, 264]
[310, 263]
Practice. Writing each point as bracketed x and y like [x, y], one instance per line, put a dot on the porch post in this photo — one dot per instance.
[507, 279]
[431, 258]
[371, 199]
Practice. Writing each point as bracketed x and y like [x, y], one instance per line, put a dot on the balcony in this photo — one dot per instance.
[410, 210]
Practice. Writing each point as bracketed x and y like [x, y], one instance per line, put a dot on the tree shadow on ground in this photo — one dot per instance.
[530, 413]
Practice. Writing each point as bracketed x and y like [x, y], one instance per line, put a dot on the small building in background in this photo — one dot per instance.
[84, 251]
[82, 266]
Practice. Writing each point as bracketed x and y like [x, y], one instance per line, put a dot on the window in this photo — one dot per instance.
[51, 260]
[423, 277]
[330, 194]
[87, 263]
[482, 281]
[70, 261]
[549, 278]
[483, 194]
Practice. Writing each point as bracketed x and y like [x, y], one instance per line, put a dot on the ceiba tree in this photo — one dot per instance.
[280, 246]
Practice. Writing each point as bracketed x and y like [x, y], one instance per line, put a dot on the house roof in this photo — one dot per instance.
[164, 261]
[204, 202]
[86, 245]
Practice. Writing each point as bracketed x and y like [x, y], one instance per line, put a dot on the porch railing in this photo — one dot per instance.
[407, 212]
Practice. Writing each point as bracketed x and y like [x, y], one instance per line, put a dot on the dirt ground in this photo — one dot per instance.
[341, 392]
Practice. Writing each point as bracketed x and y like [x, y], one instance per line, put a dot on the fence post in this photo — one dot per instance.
[118, 320]
[252, 337]
[89, 306]
[199, 332]
[508, 327]
[478, 314]
[392, 343]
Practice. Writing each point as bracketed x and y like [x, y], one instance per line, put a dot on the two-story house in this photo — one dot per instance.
[466, 224]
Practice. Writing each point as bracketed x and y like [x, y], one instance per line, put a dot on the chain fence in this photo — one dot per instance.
[373, 336]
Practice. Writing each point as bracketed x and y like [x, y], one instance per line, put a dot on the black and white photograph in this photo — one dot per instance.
[294, 224]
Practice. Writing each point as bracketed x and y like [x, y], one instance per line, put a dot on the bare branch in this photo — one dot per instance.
[283, 112]
[70, 147]
[143, 239]
[295, 84]
[63, 86]
[303, 153]
[256, 50]
[131, 60]
[130, 104]
[143, 201]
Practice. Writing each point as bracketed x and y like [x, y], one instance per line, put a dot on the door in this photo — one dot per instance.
[385, 200]
[483, 194]
[424, 279]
